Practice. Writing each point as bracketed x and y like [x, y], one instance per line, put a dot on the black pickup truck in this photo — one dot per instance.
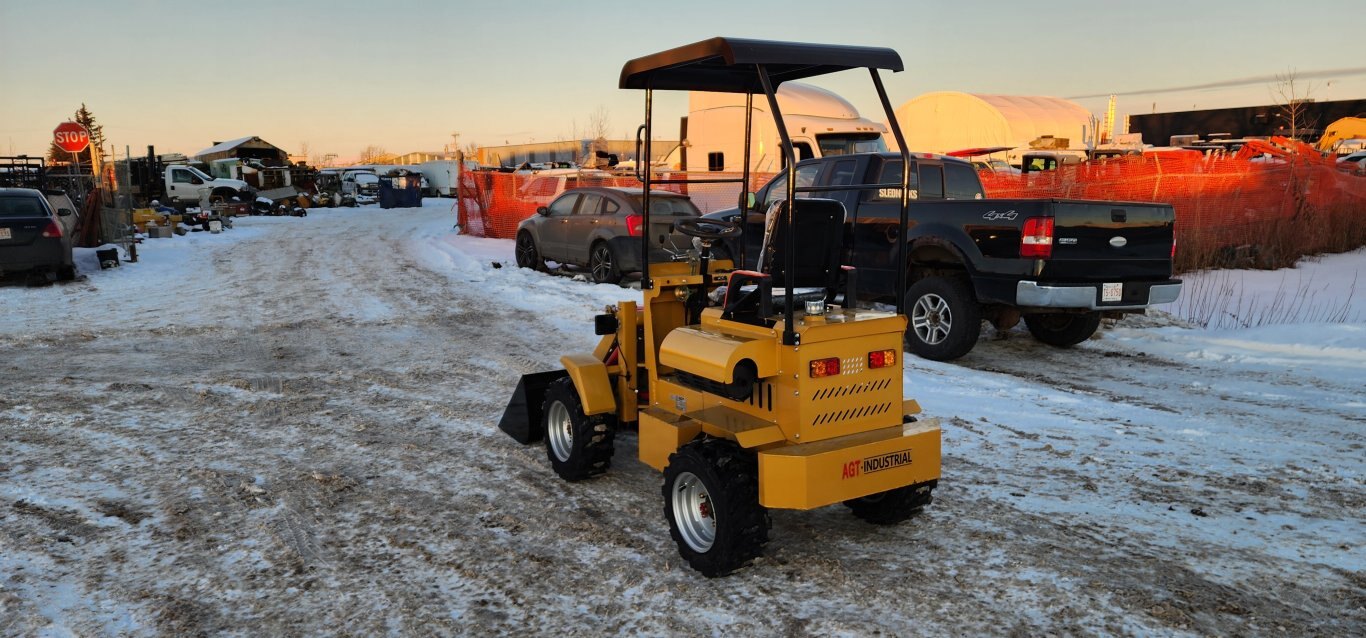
[1062, 265]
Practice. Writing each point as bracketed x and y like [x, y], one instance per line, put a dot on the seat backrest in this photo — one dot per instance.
[818, 242]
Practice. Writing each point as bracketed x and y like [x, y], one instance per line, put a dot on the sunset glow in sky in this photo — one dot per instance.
[404, 75]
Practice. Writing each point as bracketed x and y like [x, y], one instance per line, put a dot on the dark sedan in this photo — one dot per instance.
[599, 229]
[35, 238]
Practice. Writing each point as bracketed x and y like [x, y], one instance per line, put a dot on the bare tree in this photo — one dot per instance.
[1293, 97]
[304, 148]
[369, 154]
[599, 122]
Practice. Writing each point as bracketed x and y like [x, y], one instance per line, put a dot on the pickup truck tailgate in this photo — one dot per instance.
[1109, 240]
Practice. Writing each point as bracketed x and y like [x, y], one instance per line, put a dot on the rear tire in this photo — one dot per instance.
[944, 318]
[579, 446]
[1063, 330]
[528, 256]
[711, 500]
[892, 506]
[603, 265]
[66, 272]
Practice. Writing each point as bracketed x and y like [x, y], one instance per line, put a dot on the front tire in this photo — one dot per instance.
[944, 318]
[893, 506]
[602, 264]
[1063, 330]
[528, 256]
[579, 446]
[711, 500]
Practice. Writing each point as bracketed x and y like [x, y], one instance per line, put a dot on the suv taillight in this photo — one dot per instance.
[635, 224]
[52, 230]
[1037, 240]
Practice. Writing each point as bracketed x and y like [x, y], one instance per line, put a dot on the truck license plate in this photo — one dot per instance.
[1112, 292]
[5, 233]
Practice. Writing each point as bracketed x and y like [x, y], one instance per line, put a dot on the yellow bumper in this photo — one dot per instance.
[834, 470]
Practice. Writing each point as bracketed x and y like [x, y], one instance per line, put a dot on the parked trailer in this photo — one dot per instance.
[819, 122]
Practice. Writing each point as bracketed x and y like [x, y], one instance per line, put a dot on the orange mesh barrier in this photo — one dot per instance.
[1230, 211]
[491, 204]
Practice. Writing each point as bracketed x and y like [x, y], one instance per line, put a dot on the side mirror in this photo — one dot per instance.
[65, 212]
[196, 181]
[542, 211]
[750, 200]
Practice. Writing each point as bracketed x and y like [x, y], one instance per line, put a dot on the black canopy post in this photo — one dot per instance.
[744, 179]
[790, 336]
[645, 283]
[905, 191]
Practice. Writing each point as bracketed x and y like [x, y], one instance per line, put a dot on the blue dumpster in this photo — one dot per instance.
[401, 190]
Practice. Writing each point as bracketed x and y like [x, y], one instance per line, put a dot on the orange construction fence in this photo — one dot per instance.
[1230, 210]
[491, 203]
[1261, 211]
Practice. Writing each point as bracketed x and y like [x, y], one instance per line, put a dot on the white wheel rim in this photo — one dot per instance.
[931, 319]
[693, 512]
[560, 431]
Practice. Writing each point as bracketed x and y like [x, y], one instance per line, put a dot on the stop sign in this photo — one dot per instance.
[71, 137]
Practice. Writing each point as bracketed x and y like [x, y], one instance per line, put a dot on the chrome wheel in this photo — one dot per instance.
[931, 319]
[560, 431]
[693, 512]
[602, 266]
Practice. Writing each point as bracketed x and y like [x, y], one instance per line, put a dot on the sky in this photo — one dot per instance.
[404, 75]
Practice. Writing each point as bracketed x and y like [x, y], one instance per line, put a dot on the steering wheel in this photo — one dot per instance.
[709, 229]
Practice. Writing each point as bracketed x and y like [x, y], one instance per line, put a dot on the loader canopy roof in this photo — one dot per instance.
[727, 64]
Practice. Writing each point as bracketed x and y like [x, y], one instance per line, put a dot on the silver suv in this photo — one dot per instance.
[599, 229]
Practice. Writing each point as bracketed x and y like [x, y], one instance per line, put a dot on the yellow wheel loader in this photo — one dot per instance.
[749, 389]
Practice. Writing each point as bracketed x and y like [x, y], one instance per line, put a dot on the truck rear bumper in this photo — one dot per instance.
[1135, 296]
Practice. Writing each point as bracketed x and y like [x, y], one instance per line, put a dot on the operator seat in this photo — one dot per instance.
[818, 243]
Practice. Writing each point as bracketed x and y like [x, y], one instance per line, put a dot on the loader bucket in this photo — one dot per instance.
[522, 418]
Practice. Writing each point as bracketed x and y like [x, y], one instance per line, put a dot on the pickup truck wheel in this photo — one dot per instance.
[945, 320]
[602, 264]
[1063, 330]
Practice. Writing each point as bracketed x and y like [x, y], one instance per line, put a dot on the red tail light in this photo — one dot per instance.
[881, 358]
[1037, 240]
[52, 230]
[825, 367]
[1173, 246]
[635, 225]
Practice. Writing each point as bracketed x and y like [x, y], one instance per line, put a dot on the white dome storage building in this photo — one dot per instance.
[946, 121]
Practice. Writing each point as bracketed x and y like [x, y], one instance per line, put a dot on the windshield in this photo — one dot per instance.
[200, 174]
[846, 143]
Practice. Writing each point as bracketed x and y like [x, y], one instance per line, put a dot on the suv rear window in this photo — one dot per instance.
[13, 206]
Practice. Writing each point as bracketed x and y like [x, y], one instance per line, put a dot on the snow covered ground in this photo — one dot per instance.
[290, 428]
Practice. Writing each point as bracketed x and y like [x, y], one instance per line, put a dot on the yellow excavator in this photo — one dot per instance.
[1344, 129]
[749, 389]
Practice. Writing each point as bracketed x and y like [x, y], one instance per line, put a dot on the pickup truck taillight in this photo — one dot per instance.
[52, 230]
[635, 224]
[1036, 242]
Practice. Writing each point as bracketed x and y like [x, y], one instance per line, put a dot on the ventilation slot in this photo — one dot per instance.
[852, 413]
